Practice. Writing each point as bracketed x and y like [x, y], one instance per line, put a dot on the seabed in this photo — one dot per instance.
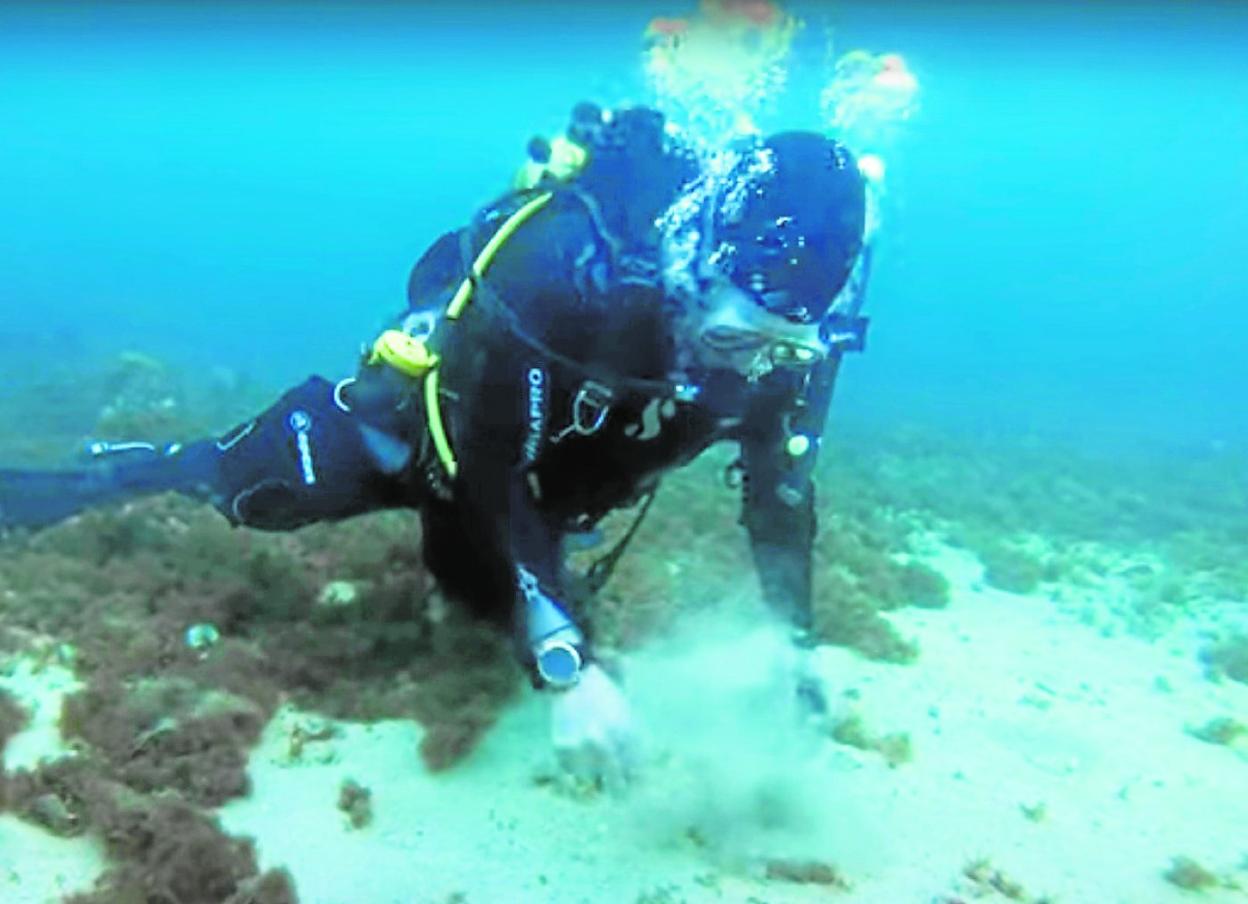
[1029, 702]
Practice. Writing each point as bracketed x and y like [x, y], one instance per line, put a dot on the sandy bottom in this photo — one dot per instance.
[1058, 754]
[36, 866]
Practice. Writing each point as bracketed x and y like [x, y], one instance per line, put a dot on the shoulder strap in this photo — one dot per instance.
[488, 300]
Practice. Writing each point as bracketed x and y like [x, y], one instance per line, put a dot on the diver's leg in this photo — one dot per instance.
[305, 459]
[36, 499]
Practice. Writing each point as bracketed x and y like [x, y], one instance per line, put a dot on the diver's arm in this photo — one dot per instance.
[779, 447]
[305, 459]
[779, 451]
[498, 437]
[553, 646]
[780, 519]
[591, 725]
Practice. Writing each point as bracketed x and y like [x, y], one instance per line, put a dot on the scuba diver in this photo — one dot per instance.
[629, 304]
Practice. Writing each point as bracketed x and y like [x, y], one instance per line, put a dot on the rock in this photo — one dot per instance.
[338, 594]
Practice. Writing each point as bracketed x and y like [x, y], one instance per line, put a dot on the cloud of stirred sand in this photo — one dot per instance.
[730, 765]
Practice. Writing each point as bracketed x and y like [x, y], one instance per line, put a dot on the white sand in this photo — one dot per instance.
[1014, 704]
[1011, 704]
[38, 868]
[34, 866]
[39, 687]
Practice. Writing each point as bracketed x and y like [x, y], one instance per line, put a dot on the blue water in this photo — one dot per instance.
[1063, 257]
[1064, 251]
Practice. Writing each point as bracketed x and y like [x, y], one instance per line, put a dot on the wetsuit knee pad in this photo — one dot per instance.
[302, 460]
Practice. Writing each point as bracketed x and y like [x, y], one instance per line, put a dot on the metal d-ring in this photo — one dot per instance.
[338, 389]
[590, 408]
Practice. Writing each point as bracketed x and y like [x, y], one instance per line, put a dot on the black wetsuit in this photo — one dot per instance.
[560, 394]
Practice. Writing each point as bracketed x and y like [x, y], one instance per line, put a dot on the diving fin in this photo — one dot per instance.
[35, 499]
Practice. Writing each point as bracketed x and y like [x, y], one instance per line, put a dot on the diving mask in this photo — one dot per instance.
[738, 335]
[764, 352]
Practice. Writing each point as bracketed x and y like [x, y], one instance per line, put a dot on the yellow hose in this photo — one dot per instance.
[464, 293]
[437, 429]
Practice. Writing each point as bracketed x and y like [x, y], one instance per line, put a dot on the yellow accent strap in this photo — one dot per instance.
[433, 411]
[411, 357]
[406, 354]
[567, 158]
[464, 294]
[564, 161]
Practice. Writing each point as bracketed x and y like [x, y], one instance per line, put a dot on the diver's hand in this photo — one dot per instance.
[592, 730]
[812, 698]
